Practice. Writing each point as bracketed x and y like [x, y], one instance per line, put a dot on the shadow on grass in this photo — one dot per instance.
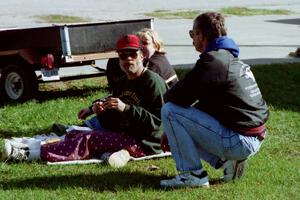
[280, 85]
[294, 21]
[43, 96]
[9, 134]
[83, 92]
[110, 181]
[104, 182]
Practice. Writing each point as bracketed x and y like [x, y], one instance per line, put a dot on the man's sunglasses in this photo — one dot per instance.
[124, 55]
[192, 34]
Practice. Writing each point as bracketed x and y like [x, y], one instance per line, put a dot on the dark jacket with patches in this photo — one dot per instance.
[224, 87]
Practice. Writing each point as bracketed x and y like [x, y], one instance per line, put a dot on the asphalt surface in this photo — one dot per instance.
[262, 38]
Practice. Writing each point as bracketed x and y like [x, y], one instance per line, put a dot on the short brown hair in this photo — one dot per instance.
[210, 24]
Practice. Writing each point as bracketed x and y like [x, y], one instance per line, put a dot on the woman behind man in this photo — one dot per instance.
[154, 59]
[128, 122]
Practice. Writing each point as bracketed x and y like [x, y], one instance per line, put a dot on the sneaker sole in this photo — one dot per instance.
[239, 169]
[6, 150]
[204, 183]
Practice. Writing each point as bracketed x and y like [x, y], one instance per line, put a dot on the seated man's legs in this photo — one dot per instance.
[86, 145]
[94, 124]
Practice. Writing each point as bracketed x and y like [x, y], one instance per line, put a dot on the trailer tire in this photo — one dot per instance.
[17, 83]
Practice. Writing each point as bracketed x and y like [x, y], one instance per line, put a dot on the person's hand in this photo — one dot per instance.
[164, 143]
[114, 103]
[84, 113]
[98, 108]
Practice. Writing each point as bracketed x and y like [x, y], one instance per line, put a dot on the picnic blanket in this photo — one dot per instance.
[91, 161]
[34, 143]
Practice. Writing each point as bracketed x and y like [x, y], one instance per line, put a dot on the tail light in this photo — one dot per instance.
[48, 61]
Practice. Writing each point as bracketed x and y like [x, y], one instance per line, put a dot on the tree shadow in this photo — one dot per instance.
[293, 21]
[47, 95]
[110, 181]
[280, 85]
[43, 96]
[9, 134]
[272, 61]
[104, 182]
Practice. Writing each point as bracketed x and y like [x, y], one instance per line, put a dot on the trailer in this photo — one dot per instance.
[29, 56]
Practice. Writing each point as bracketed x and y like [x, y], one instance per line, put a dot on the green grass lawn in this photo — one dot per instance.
[274, 173]
[61, 19]
[228, 11]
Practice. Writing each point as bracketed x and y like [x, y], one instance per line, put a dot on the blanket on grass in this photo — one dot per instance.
[34, 143]
[91, 161]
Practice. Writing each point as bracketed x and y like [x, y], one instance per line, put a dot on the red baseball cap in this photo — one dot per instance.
[129, 42]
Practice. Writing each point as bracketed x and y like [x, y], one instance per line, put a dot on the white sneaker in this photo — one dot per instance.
[233, 169]
[119, 158]
[186, 180]
[15, 151]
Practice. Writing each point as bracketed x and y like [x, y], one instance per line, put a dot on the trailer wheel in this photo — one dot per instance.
[17, 83]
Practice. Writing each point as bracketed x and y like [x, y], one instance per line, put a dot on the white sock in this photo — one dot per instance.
[198, 172]
[34, 150]
[34, 155]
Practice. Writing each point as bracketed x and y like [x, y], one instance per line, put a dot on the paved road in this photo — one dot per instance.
[22, 12]
[262, 39]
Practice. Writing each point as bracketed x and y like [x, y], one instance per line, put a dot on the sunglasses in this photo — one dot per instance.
[192, 34]
[125, 55]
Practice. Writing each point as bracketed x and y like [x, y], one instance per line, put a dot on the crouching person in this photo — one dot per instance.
[216, 113]
[128, 122]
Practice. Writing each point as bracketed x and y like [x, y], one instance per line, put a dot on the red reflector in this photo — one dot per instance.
[47, 61]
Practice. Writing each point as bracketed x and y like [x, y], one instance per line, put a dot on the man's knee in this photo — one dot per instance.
[167, 108]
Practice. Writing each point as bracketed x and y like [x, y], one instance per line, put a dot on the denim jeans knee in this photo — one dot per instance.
[195, 134]
[94, 124]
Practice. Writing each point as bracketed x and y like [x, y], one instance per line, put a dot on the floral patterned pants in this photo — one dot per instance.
[82, 145]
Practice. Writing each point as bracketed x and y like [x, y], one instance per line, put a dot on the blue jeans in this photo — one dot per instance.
[94, 124]
[194, 135]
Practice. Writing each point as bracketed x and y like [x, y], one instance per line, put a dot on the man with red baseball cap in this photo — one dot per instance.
[127, 124]
[130, 56]
[129, 42]
[133, 109]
